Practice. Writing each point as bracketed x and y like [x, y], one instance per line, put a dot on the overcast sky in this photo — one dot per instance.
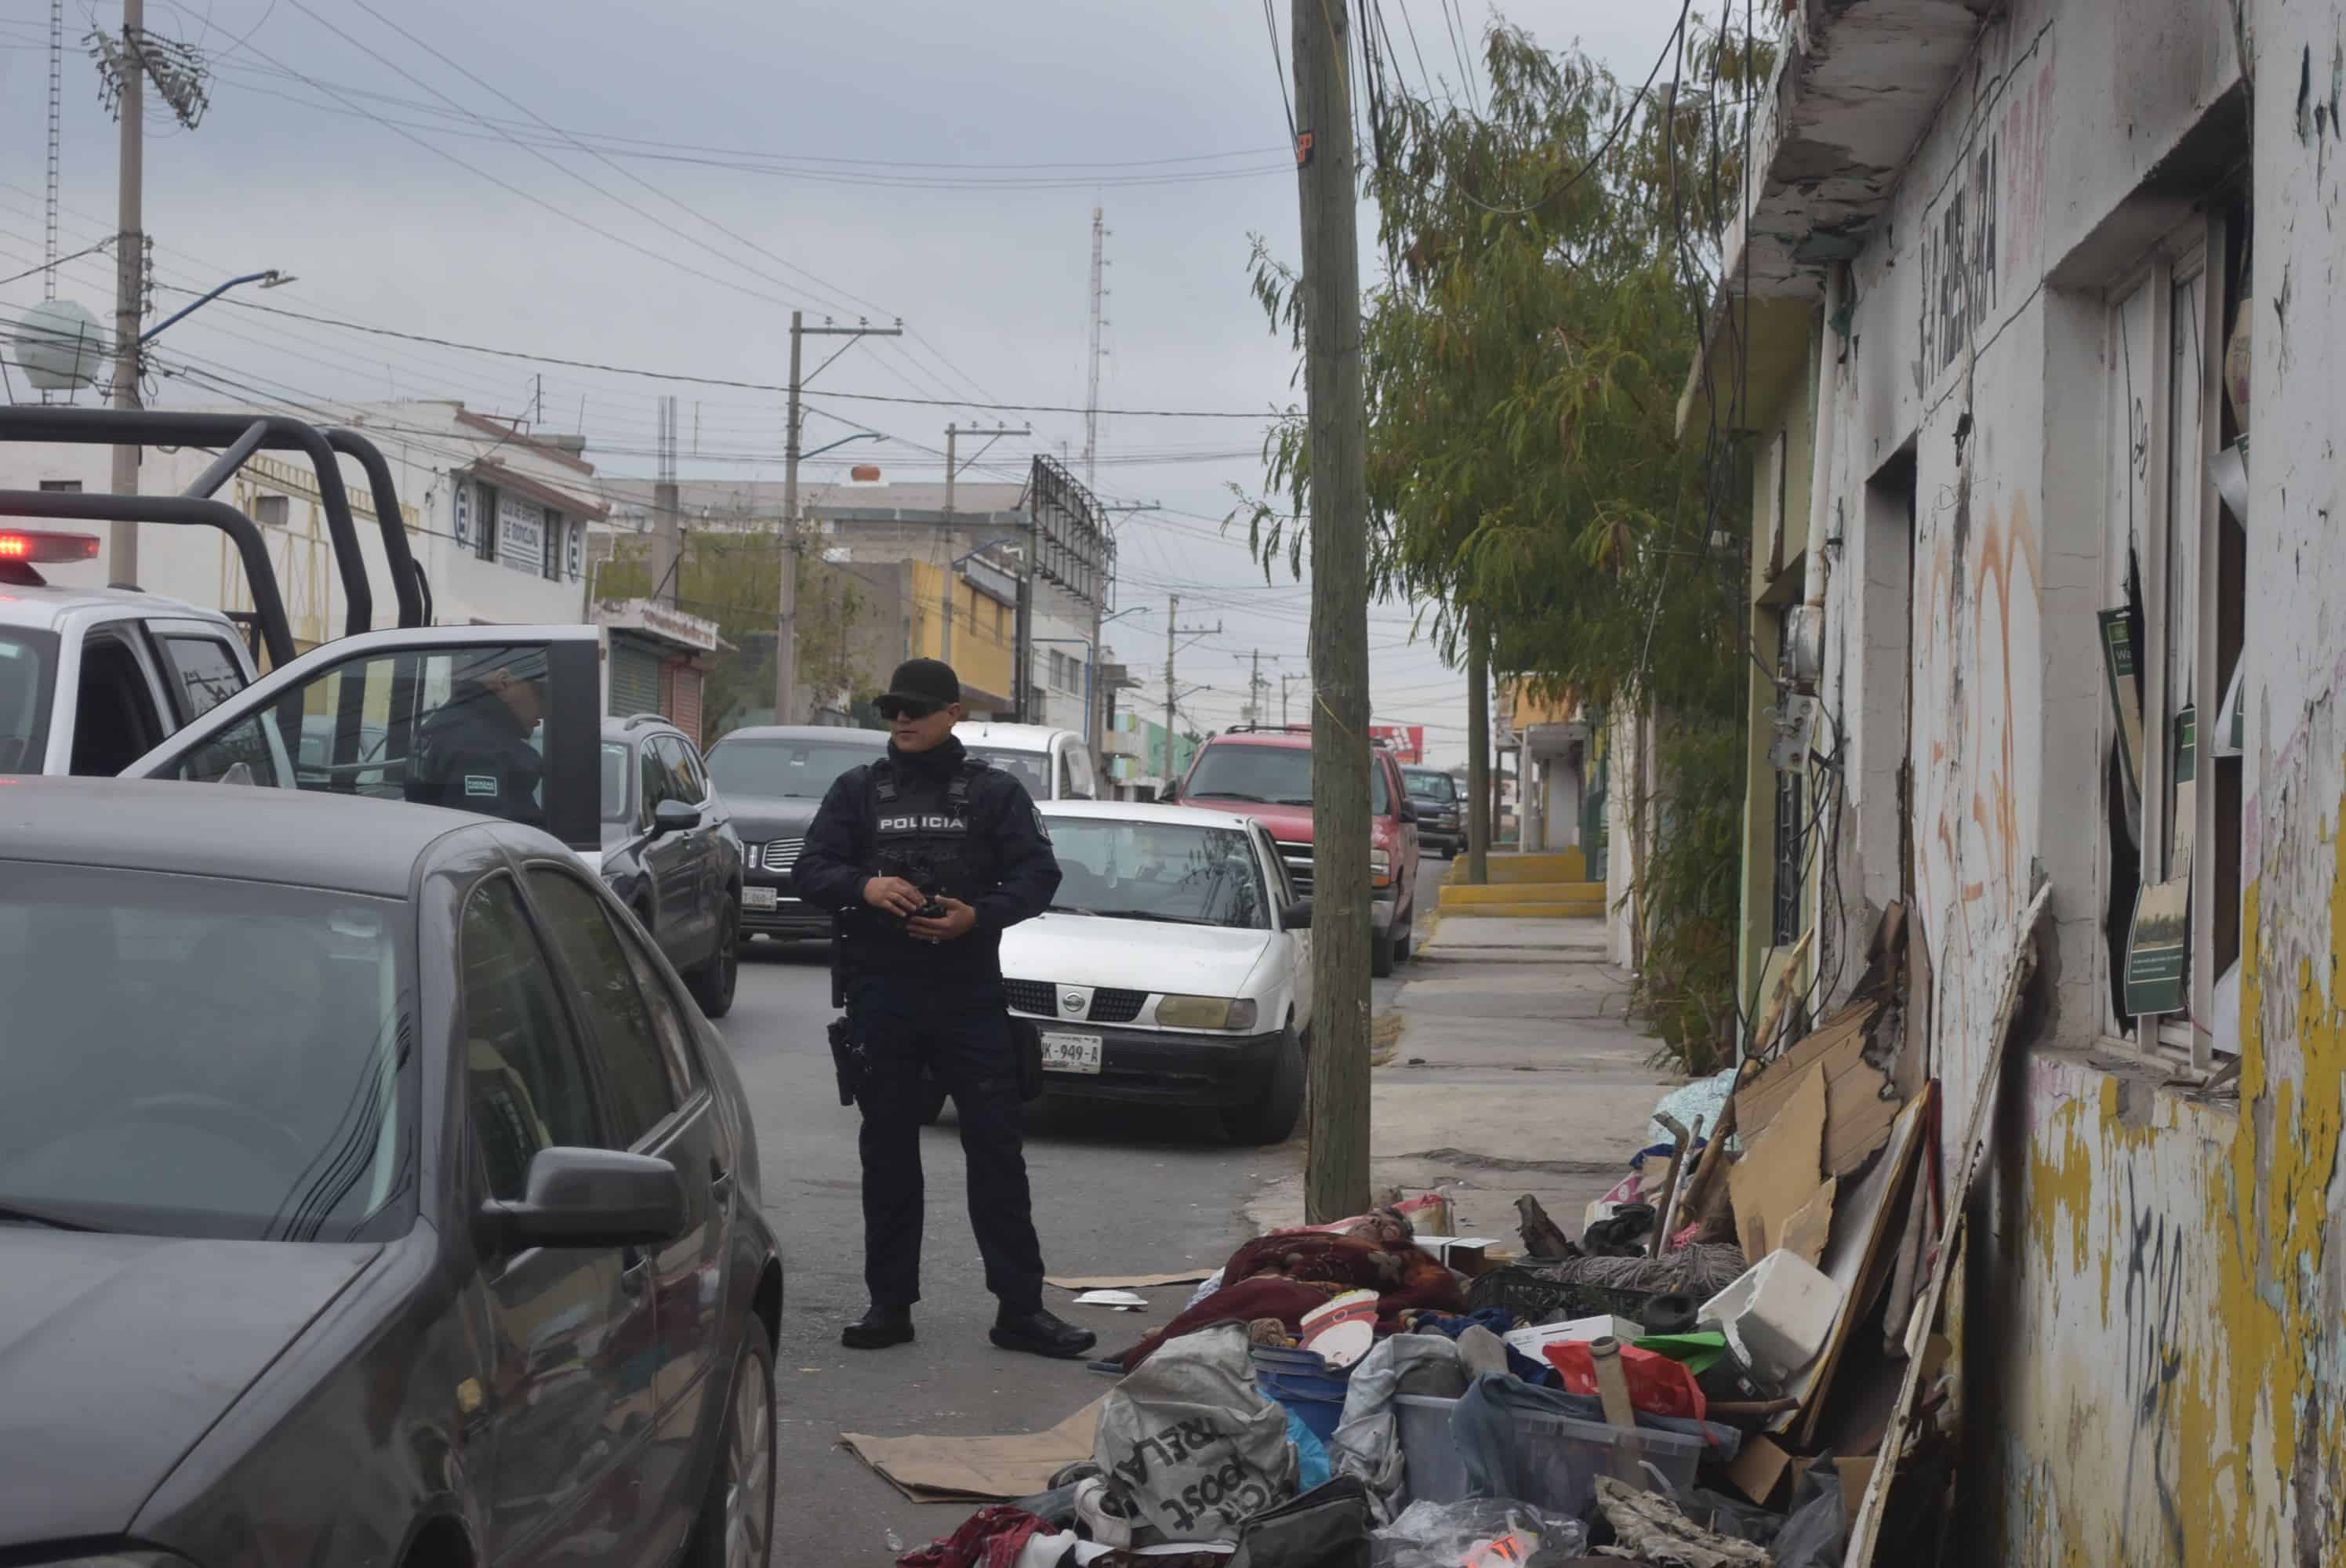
[937, 162]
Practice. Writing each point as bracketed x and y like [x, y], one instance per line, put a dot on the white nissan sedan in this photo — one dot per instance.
[1174, 966]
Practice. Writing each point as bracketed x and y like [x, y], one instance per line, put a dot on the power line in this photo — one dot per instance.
[690, 380]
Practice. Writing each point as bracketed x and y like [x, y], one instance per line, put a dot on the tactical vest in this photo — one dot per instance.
[924, 840]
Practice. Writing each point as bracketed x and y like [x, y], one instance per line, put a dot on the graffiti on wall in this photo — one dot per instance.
[1983, 234]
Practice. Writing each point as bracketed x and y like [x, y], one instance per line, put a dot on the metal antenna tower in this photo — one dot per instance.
[57, 127]
[1099, 302]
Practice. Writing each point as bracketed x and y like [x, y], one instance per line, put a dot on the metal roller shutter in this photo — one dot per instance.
[634, 679]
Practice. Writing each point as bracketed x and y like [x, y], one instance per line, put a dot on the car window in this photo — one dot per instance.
[1271, 775]
[615, 781]
[206, 671]
[1066, 773]
[458, 726]
[683, 783]
[655, 788]
[528, 1080]
[637, 1068]
[27, 660]
[784, 770]
[1282, 885]
[668, 1020]
[1438, 787]
[694, 766]
[204, 1056]
[116, 721]
[1031, 769]
[1172, 873]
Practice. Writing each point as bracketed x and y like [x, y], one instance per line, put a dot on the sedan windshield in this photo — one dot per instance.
[196, 1056]
[1164, 871]
[784, 770]
[25, 676]
[1268, 775]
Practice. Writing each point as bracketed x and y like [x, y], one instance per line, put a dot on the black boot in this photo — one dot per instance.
[1040, 1334]
[878, 1328]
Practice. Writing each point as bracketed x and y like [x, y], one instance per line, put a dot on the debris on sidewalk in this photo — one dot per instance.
[1696, 1379]
[978, 1469]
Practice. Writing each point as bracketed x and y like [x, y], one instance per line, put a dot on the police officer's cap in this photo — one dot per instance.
[923, 685]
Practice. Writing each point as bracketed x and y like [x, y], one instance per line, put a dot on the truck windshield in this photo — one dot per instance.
[784, 770]
[27, 666]
[1438, 787]
[1269, 775]
[204, 1056]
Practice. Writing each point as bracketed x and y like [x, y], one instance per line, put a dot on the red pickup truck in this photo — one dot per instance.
[1267, 773]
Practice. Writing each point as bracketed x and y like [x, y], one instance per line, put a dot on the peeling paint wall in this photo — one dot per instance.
[2156, 1322]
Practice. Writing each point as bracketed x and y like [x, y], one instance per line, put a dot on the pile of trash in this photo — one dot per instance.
[1730, 1368]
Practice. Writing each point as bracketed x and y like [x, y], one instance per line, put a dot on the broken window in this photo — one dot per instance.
[2173, 603]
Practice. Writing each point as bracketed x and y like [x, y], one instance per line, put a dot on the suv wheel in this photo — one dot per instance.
[712, 983]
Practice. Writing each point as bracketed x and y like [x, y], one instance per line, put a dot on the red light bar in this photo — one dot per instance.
[18, 545]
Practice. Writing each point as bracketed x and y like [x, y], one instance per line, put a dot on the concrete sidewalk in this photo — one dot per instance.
[1514, 1072]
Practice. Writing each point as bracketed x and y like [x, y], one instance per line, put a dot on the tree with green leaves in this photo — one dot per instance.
[1547, 263]
[734, 579]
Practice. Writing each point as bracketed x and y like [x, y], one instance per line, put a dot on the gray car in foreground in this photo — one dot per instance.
[370, 1192]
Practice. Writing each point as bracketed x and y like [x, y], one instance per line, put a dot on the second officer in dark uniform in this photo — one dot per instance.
[927, 856]
[473, 752]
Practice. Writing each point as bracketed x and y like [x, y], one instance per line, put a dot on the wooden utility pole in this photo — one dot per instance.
[1336, 1170]
[1478, 754]
[786, 611]
[129, 280]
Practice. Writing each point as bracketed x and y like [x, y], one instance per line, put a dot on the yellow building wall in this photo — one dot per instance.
[984, 630]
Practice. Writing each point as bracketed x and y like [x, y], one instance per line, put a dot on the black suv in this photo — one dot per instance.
[775, 777]
[670, 853]
[1440, 802]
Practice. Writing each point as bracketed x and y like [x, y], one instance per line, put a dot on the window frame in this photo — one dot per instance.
[566, 1005]
[2195, 251]
[167, 641]
[683, 1094]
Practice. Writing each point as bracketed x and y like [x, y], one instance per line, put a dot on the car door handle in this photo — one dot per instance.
[635, 1271]
[720, 1184]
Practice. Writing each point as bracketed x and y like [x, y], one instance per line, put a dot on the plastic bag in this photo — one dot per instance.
[1189, 1444]
[1480, 1532]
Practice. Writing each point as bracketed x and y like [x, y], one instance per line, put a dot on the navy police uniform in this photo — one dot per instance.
[955, 828]
[475, 755]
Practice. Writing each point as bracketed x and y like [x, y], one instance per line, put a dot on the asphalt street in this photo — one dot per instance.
[1116, 1191]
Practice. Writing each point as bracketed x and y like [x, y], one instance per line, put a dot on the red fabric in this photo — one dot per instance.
[1658, 1385]
[990, 1538]
[1285, 1277]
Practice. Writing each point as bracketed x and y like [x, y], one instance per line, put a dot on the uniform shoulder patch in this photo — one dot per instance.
[1040, 826]
[480, 784]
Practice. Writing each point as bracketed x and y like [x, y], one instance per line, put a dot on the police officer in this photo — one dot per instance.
[926, 856]
[474, 752]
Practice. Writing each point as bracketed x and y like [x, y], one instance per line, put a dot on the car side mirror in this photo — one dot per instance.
[591, 1197]
[1408, 812]
[675, 817]
[1170, 793]
[1297, 916]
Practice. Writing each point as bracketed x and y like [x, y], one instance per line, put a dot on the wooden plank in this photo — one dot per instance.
[1867, 1531]
[1857, 1117]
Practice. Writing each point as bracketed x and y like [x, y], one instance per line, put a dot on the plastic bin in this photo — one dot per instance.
[1553, 1461]
[1303, 1383]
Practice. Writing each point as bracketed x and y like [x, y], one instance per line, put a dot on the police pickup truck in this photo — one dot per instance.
[114, 681]
[93, 679]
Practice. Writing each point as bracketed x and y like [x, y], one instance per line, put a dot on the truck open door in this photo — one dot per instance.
[501, 692]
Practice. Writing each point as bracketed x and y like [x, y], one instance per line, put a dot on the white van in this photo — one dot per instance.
[1053, 764]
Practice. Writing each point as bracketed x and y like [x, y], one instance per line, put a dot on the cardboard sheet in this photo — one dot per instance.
[979, 1469]
[1857, 1118]
[1779, 1177]
[1124, 1281]
[1806, 1233]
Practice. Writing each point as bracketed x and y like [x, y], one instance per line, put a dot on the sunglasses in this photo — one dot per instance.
[895, 708]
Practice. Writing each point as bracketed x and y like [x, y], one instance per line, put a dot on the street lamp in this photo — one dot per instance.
[272, 278]
[122, 538]
[842, 441]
